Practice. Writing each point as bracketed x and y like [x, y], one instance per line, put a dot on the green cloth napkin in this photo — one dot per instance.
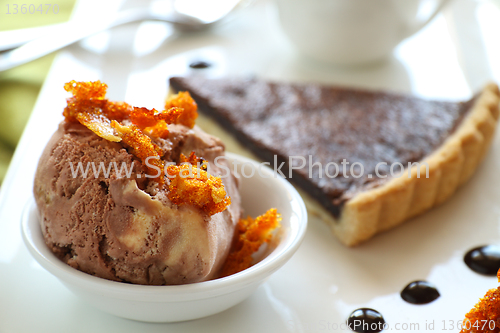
[19, 87]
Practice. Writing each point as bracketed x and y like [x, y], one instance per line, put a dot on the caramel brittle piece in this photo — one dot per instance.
[485, 315]
[89, 106]
[143, 147]
[184, 100]
[194, 186]
[252, 233]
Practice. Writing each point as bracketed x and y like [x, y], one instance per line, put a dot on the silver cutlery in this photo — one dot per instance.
[61, 35]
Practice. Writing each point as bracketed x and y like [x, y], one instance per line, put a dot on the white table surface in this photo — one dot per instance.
[449, 59]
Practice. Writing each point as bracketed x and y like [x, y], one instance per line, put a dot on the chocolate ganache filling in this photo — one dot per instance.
[319, 127]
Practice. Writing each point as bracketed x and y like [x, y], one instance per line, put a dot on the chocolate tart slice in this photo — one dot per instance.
[312, 128]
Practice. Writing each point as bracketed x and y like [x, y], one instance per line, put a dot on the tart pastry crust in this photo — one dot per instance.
[399, 199]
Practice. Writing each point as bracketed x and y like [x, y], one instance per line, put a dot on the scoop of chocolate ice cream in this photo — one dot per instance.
[123, 227]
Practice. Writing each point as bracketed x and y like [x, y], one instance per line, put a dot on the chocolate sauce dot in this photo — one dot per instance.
[420, 292]
[199, 64]
[365, 320]
[484, 259]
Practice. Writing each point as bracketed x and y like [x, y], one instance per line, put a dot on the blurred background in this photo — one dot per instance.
[19, 87]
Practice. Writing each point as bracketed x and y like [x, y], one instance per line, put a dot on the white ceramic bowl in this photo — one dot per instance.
[185, 302]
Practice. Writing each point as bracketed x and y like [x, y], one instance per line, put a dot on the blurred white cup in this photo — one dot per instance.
[353, 32]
